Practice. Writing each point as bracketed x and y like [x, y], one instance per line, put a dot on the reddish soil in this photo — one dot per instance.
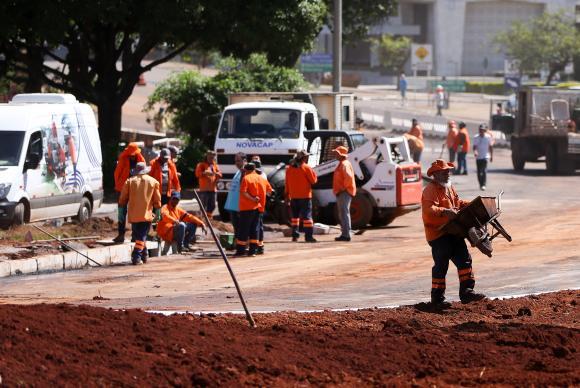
[526, 341]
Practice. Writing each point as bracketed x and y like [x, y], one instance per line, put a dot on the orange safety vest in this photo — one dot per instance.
[343, 178]
[299, 181]
[173, 183]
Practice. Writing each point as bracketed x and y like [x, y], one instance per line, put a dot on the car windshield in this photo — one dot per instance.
[260, 124]
[10, 147]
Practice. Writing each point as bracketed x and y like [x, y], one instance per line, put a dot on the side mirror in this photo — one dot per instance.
[323, 123]
[32, 161]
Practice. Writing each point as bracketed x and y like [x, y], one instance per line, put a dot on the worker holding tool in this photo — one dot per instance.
[451, 140]
[344, 187]
[462, 145]
[440, 204]
[126, 163]
[164, 171]
[208, 174]
[232, 204]
[253, 191]
[141, 193]
[298, 189]
[258, 163]
[177, 227]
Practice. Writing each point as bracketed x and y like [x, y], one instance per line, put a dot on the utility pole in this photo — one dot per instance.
[337, 47]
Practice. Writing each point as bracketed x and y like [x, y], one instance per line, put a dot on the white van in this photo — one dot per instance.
[50, 159]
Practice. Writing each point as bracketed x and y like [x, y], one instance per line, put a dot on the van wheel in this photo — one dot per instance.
[85, 210]
[19, 211]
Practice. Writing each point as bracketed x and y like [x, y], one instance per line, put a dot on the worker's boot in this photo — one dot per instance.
[121, 220]
[468, 296]
[120, 238]
[438, 298]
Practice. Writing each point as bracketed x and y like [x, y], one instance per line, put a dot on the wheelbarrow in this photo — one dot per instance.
[473, 222]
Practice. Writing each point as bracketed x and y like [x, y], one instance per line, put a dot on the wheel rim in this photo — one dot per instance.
[85, 214]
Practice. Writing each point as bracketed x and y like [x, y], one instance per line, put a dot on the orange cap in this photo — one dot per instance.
[133, 148]
[439, 165]
[341, 150]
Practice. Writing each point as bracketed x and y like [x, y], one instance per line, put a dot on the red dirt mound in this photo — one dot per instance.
[526, 341]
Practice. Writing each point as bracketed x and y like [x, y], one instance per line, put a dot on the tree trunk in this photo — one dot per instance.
[551, 75]
[110, 110]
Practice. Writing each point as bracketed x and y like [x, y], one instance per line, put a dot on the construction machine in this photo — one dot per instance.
[388, 182]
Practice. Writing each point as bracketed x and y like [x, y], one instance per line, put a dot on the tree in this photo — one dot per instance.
[549, 41]
[393, 52]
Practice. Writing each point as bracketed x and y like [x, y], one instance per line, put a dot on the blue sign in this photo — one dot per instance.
[316, 63]
[512, 82]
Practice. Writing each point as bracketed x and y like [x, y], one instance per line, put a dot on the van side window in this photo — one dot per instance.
[35, 144]
[309, 121]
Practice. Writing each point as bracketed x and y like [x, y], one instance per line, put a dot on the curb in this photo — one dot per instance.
[106, 256]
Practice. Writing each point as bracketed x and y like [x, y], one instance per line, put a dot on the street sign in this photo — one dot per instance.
[512, 82]
[511, 67]
[421, 56]
[316, 63]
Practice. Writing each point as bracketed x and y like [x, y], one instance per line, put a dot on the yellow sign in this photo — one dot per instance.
[421, 52]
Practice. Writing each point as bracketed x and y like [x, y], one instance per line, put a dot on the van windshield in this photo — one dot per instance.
[10, 147]
[260, 123]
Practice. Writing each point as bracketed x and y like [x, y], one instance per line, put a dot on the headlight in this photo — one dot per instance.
[228, 185]
[4, 189]
[220, 185]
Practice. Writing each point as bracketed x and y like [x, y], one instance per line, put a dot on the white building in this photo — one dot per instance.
[461, 31]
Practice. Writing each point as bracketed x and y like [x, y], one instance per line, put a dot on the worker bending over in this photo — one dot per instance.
[208, 174]
[141, 193]
[126, 164]
[440, 204]
[298, 187]
[164, 171]
[253, 190]
[177, 227]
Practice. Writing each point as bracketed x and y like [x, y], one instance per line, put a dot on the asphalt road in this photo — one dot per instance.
[382, 267]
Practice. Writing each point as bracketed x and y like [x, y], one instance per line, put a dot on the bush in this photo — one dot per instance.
[495, 87]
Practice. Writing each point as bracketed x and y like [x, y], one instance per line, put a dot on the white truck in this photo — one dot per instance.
[273, 126]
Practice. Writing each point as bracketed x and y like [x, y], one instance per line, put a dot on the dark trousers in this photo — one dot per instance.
[248, 231]
[139, 232]
[417, 156]
[452, 154]
[121, 216]
[443, 249]
[302, 210]
[461, 163]
[235, 216]
[208, 201]
[481, 171]
[261, 232]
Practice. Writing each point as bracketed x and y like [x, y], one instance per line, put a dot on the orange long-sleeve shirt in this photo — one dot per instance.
[435, 199]
[256, 186]
[452, 138]
[169, 216]
[343, 178]
[416, 131]
[141, 192]
[207, 183]
[462, 140]
[123, 168]
[299, 181]
[173, 183]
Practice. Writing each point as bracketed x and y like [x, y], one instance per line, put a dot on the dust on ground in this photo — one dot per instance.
[532, 340]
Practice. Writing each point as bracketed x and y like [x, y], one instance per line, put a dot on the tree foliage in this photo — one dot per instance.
[393, 52]
[550, 41]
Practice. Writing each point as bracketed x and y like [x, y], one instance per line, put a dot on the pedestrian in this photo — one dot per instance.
[403, 88]
[416, 144]
[141, 193]
[252, 197]
[232, 204]
[483, 151]
[439, 99]
[258, 163]
[208, 174]
[451, 139]
[164, 171]
[125, 168]
[440, 204]
[298, 189]
[344, 187]
[462, 145]
[177, 227]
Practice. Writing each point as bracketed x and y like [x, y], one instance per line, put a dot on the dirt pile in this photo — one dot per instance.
[525, 341]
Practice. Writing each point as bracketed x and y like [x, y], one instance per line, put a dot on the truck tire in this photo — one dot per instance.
[221, 203]
[518, 160]
[19, 212]
[566, 166]
[551, 159]
[85, 211]
[361, 211]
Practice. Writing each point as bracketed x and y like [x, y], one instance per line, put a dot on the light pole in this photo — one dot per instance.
[337, 47]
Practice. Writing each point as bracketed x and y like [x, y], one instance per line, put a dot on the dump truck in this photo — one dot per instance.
[542, 130]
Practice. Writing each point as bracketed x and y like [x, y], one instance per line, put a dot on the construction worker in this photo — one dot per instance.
[451, 139]
[141, 192]
[208, 174]
[415, 138]
[440, 204]
[483, 152]
[462, 145]
[163, 169]
[177, 227]
[253, 191]
[298, 189]
[258, 163]
[126, 163]
[232, 204]
[344, 187]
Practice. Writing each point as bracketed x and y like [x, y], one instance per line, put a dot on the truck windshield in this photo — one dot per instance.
[260, 123]
[10, 147]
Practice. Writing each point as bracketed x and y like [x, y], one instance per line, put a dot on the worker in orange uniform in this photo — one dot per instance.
[451, 140]
[416, 145]
[141, 193]
[344, 187]
[208, 174]
[298, 189]
[128, 159]
[258, 164]
[462, 145]
[253, 190]
[177, 227]
[163, 169]
[440, 204]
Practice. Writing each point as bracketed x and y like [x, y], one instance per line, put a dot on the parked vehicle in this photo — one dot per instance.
[50, 159]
